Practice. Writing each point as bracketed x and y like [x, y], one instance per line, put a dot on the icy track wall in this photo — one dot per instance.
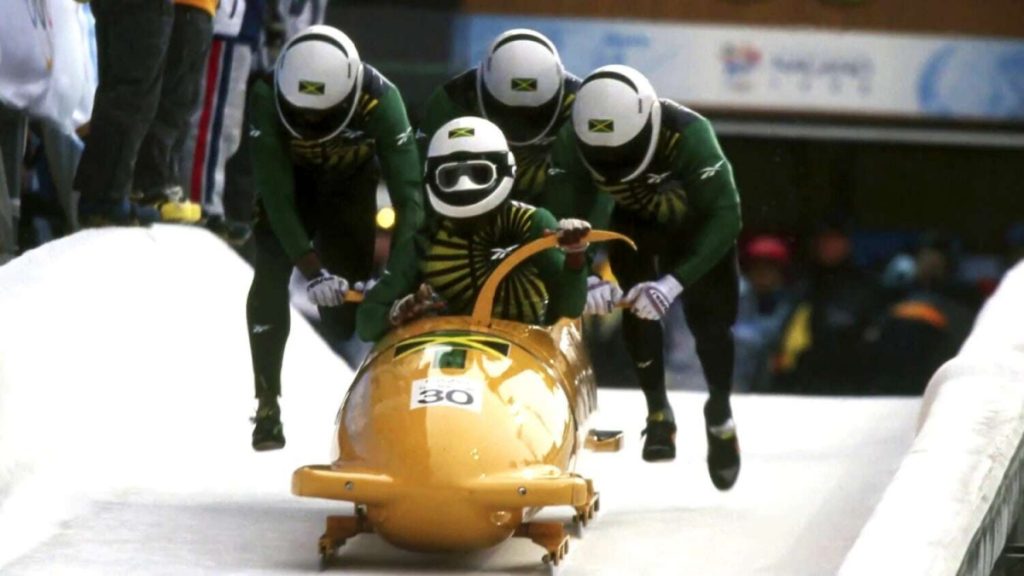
[955, 497]
[124, 363]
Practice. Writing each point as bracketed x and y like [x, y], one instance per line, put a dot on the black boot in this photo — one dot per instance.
[723, 445]
[268, 434]
[659, 436]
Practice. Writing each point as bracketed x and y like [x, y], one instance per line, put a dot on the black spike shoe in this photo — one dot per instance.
[268, 434]
[659, 437]
[723, 448]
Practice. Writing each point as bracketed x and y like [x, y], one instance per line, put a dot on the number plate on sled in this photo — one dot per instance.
[465, 393]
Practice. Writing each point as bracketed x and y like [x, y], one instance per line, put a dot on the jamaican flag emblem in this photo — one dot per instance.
[524, 84]
[601, 125]
[465, 132]
[312, 88]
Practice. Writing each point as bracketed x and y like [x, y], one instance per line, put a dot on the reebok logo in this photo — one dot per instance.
[501, 253]
[657, 178]
[404, 137]
[710, 171]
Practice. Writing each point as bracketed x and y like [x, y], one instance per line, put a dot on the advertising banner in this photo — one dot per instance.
[781, 69]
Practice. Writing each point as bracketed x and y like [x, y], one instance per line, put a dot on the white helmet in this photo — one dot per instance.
[520, 84]
[317, 82]
[616, 118]
[469, 170]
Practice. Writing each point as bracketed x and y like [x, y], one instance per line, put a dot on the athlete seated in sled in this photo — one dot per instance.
[469, 173]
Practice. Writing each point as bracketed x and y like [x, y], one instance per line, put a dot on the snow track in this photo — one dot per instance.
[125, 387]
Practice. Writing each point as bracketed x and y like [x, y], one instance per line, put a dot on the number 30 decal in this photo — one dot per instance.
[456, 392]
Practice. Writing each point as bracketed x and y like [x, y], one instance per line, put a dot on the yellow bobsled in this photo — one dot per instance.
[457, 430]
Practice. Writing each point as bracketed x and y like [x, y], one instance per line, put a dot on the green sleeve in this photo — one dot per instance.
[439, 109]
[401, 277]
[567, 289]
[569, 191]
[272, 173]
[400, 162]
[708, 179]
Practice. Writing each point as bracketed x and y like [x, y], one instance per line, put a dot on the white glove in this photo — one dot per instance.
[602, 296]
[327, 289]
[366, 286]
[651, 300]
[411, 306]
[571, 234]
[572, 239]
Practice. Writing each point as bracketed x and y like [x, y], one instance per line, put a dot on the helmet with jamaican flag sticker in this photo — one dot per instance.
[616, 119]
[469, 169]
[317, 83]
[520, 84]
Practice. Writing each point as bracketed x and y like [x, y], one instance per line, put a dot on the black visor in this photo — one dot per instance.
[312, 124]
[521, 123]
[615, 163]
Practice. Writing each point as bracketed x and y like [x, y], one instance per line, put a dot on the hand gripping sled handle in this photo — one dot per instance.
[485, 300]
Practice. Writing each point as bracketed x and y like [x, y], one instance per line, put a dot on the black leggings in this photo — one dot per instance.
[338, 213]
[710, 305]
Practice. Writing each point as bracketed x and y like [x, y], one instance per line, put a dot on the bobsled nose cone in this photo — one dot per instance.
[444, 523]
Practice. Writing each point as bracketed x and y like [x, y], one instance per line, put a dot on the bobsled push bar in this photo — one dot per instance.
[485, 300]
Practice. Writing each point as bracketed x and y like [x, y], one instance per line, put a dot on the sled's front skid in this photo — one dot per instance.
[550, 536]
[585, 513]
[339, 530]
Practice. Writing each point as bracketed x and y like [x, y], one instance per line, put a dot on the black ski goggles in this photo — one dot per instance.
[466, 176]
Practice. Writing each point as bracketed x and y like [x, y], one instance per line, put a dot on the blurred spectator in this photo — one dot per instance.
[899, 273]
[215, 133]
[37, 183]
[48, 208]
[937, 262]
[823, 348]
[923, 328]
[766, 301]
[151, 56]
[286, 18]
[48, 76]
[157, 171]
